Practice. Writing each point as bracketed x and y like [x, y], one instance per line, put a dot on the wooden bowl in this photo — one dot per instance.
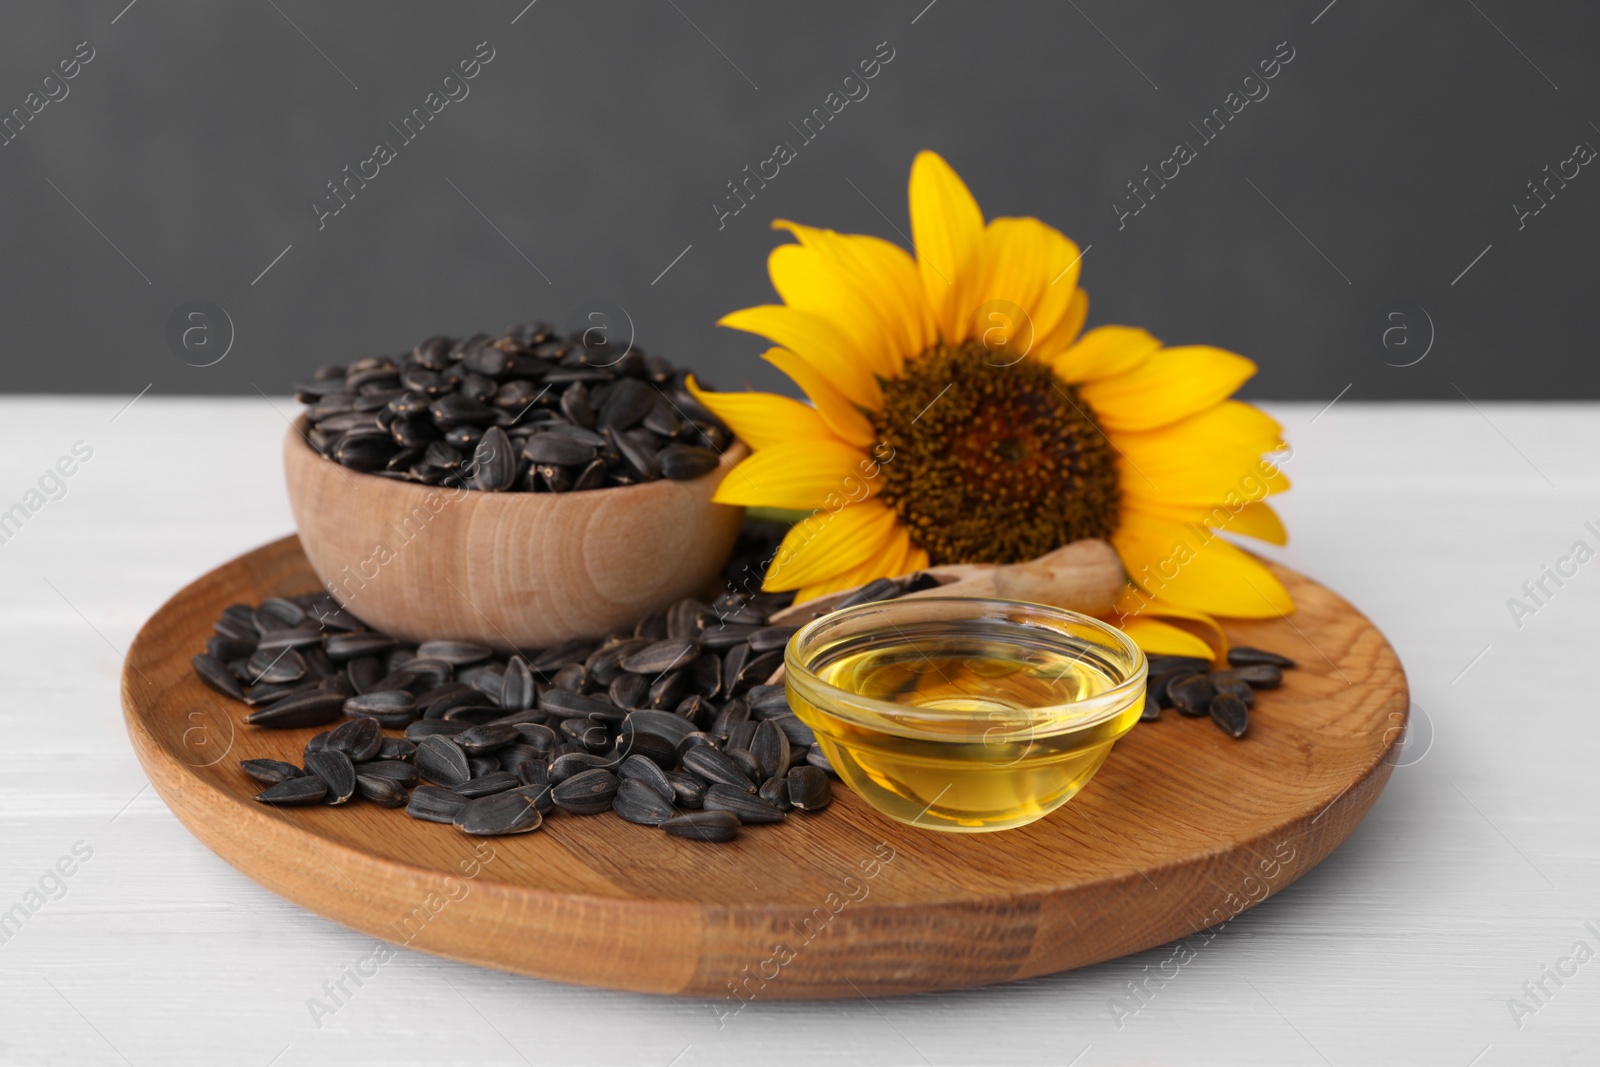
[510, 570]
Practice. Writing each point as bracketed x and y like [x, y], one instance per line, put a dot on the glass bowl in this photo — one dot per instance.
[964, 715]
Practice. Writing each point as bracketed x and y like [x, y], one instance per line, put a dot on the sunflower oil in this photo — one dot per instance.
[987, 732]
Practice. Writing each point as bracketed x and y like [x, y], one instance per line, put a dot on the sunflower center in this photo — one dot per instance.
[993, 463]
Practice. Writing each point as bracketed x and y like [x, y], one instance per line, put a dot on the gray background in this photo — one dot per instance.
[1385, 159]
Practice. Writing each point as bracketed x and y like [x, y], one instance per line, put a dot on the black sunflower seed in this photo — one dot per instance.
[630, 691]
[397, 748]
[489, 784]
[359, 739]
[440, 760]
[276, 641]
[704, 826]
[1230, 713]
[1192, 695]
[1258, 675]
[494, 464]
[775, 791]
[571, 764]
[1245, 656]
[769, 638]
[538, 737]
[1237, 686]
[662, 656]
[748, 807]
[342, 648]
[638, 802]
[517, 689]
[646, 771]
[433, 804]
[504, 813]
[687, 790]
[588, 793]
[336, 771]
[481, 740]
[276, 666]
[385, 792]
[1151, 711]
[686, 462]
[796, 731]
[312, 708]
[214, 672]
[434, 728]
[819, 759]
[809, 788]
[715, 767]
[270, 771]
[573, 705]
[295, 792]
[770, 748]
[399, 770]
[1187, 664]
[455, 653]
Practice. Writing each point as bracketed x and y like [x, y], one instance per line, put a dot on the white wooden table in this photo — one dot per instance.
[1477, 870]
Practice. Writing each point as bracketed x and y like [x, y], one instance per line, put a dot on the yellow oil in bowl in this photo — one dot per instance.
[960, 714]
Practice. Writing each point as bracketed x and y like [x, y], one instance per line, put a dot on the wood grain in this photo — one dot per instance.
[512, 570]
[1181, 829]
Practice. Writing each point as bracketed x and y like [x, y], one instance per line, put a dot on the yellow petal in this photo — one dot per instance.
[1190, 567]
[1169, 385]
[806, 282]
[887, 279]
[1159, 639]
[798, 474]
[762, 419]
[827, 543]
[877, 566]
[843, 418]
[1014, 295]
[1258, 520]
[947, 228]
[818, 342]
[1058, 340]
[1135, 604]
[1104, 352]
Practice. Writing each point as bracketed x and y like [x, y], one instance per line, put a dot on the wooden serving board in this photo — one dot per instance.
[1181, 829]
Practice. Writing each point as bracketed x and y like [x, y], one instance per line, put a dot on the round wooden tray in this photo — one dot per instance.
[1181, 829]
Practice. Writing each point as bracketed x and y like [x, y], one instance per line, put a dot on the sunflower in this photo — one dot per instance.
[958, 414]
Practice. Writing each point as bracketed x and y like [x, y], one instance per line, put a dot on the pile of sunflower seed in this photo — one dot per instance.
[1188, 684]
[527, 410]
[668, 725]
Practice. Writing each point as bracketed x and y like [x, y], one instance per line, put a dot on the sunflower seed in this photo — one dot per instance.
[1258, 675]
[571, 678]
[539, 737]
[572, 705]
[214, 672]
[662, 656]
[683, 618]
[715, 767]
[669, 689]
[748, 807]
[796, 731]
[385, 792]
[769, 638]
[1237, 686]
[1245, 656]
[474, 714]
[504, 813]
[295, 792]
[364, 672]
[1192, 695]
[1187, 664]
[732, 714]
[638, 802]
[275, 641]
[706, 674]
[489, 784]
[1230, 713]
[630, 691]
[434, 728]
[336, 771]
[270, 771]
[704, 826]
[358, 739]
[809, 788]
[775, 791]
[517, 690]
[397, 748]
[1151, 711]
[770, 748]
[571, 764]
[741, 735]
[433, 804]
[653, 627]
[481, 740]
[494, 462]
[440, 760]
[399, 770]
[276, 666]
[455, 653]
[342, 648]
[523, 762]
[687, 790]
[588, 793]
[313, 708]
[646, 771]
[686, 462]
